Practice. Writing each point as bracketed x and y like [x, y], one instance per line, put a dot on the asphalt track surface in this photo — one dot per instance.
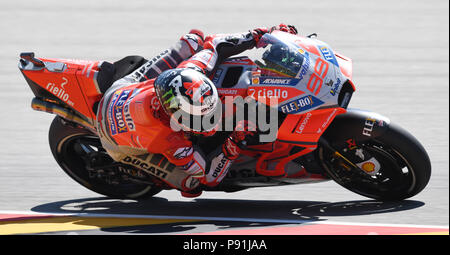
[400, 51]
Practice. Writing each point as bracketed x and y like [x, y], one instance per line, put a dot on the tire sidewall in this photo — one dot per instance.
[61, 132]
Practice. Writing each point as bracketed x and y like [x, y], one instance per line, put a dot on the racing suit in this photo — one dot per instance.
[135, 130]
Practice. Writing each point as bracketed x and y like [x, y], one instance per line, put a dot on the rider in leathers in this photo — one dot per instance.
[135, 129]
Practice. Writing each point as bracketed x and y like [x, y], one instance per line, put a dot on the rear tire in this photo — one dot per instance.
[405, 166]
[71, 145]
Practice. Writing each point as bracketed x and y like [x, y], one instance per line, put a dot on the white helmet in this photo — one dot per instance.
[188, 97]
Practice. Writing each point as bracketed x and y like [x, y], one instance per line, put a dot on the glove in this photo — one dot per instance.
[285, 28]
[198, 33]
[195, 40]
[244, 129]
[259, 32]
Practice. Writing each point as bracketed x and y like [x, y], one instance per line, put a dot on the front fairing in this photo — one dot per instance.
[314, 83]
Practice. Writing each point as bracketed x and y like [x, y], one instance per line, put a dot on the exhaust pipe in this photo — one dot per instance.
[65, 113]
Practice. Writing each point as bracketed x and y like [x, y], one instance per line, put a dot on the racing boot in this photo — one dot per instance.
[196, 170]
[223, 157]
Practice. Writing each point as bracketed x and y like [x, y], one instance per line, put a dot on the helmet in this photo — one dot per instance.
[283, 59]
[188, 97]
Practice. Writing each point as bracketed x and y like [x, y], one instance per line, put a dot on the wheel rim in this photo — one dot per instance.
[74, 151]
[394, 179]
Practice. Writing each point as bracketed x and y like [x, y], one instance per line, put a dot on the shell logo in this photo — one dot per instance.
[368, 167]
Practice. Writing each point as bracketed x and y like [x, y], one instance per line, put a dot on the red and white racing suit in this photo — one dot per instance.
[135, 130]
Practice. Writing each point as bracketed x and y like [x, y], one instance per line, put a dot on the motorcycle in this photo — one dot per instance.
[319, 138]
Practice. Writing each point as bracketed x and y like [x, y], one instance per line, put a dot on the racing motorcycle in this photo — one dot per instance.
[318, 139]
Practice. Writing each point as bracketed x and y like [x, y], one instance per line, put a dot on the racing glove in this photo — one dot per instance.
[244, 129]
[285, 28]
[195, 40]
[199, 33]
[259, 32]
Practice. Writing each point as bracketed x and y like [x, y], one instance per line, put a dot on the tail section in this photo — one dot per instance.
[60, 84]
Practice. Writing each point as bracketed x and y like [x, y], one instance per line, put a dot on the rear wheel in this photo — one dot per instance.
[393, 166]
[80, 154]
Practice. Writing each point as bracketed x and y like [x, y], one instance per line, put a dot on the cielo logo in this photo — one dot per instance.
[268, 92]
[60, 92]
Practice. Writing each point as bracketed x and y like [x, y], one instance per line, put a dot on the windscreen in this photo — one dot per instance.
[279, 57]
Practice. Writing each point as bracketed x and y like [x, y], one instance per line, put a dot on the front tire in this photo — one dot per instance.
[404, 165]
[74, 147]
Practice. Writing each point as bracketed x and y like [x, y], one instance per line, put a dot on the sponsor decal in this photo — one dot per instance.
[112, 125]
[305, 67]
[368, 126]
[217, 75]
[119, 116]
[227, 91]
[328, 55]
[60, 92]
[351, 144]
[302, 126]
[127, 115]
[155, 103]
[119, 113]
[335, 87]
[183, 152]
[276, 81]
[371, 166]
[268, 92]
[158, 172]
[300, 104]
[192, 40]
[326, 122]
[368, 166]
[219, 167]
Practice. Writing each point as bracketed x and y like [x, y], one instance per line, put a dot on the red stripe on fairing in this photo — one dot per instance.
[328, 229]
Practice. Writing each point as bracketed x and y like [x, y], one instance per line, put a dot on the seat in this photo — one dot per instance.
[111, 72]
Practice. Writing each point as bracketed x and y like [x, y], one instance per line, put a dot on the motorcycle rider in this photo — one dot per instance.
[135, 115]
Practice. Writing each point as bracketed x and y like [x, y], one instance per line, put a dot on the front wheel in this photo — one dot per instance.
[80, 154]
[393, 166]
